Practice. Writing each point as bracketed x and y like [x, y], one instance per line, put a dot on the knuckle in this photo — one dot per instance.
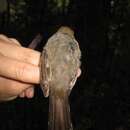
[20, 71]
[27, 56]
[14, 41]
[2, 36]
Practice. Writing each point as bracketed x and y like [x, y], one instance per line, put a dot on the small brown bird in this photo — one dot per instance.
[60, 62]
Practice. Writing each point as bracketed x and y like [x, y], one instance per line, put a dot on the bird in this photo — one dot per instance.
[59, 65]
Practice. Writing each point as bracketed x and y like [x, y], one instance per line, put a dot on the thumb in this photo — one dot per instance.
[19, 70]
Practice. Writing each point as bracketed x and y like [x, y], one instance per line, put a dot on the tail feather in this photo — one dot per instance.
[59, 113]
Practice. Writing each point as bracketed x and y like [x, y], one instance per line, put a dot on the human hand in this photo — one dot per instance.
[19, 69]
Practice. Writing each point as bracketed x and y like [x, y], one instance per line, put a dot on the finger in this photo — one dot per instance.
[14, 41]
[11, 88]
[29, 92]
[7, 98]
[22, 95]
[5, 39]
[19, 70]
[20, 53]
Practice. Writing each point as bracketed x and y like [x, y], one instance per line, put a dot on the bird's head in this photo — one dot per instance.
[66, 30]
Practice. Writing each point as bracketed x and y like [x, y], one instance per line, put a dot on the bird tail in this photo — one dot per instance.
[59, 113]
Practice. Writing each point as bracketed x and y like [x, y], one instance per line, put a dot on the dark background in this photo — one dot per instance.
[100, 99]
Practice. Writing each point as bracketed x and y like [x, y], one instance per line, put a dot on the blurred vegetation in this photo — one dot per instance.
[101, 97]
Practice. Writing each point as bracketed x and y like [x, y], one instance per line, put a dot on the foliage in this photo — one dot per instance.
[58, 5]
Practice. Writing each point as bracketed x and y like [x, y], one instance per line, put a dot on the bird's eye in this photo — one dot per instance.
[72, 46]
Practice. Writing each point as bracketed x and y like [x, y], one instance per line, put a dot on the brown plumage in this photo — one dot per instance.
[60, 62]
